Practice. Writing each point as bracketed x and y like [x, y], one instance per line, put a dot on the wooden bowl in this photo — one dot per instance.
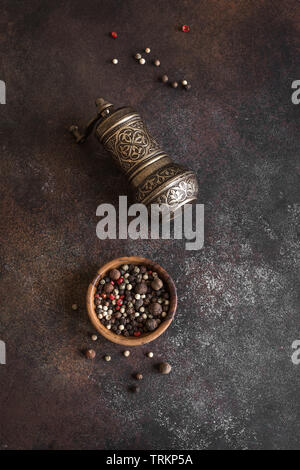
[145, 337]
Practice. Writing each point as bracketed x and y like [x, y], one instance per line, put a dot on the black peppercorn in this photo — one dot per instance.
[138, 303]
[151, 324]
[108, 288]
[155, 309]
[141, 288]
[114, 274]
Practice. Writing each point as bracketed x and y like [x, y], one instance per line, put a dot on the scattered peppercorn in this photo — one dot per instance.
[74, 307]
[115, 61]
[126, 353]
[185, 28]
[165, 78]
[138, 57]
[139, 376]
[184, 82]
[147, 50]
[107, 358]
[165, 368]
[114, 35]
[188, 86]
[156, 63]
[94, 337]
[142, 61]
[90, 354]
[174, 84]
[150, 354]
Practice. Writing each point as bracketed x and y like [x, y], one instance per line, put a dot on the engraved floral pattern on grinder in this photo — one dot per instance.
[131, 144]
[184, 191]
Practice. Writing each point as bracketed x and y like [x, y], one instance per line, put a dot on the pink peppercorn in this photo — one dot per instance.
[185, 28]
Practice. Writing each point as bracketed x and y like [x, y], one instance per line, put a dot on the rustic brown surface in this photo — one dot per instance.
[233, 384]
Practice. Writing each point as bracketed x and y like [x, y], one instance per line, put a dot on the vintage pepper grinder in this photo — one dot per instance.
[155, 178]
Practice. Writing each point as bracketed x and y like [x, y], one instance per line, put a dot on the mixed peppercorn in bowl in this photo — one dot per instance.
[131, 300]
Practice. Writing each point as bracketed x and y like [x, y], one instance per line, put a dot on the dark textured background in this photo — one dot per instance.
[233, 383]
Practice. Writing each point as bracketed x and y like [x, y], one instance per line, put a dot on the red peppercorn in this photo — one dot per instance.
[137, 333]
[97, 296]
[111, 297]
[118, 308]
[103, 295]
[112, 283]
[185, 28]
[150, 272]
[114, 35]
[119, 281]
[122, 296]
[119, 302]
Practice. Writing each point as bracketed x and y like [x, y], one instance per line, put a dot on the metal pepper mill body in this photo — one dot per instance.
[155, 178]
